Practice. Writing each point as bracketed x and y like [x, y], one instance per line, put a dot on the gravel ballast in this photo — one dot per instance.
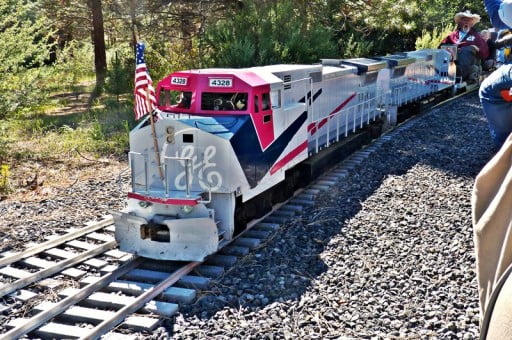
[385, 253]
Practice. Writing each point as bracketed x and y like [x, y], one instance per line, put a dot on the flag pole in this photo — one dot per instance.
[155, 140]
[151, 118]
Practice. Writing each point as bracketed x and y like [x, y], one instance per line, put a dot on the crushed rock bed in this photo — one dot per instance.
[386, 253]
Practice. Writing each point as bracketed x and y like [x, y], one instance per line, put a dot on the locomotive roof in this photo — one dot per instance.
[288, 67]
[258, 75]
[254, 76]
[329, 71]
[279, 70]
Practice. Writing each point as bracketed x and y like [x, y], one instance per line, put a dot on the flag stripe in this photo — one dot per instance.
[144, 92]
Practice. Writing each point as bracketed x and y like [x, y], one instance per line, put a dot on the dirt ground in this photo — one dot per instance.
[36, 179]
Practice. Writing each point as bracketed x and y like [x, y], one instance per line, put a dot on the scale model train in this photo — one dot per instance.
[232, 142]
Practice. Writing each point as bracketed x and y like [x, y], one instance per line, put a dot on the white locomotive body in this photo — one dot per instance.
[228, 136]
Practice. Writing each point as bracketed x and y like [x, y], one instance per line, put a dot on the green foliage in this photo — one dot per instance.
[23, 36]
[266, 33]
[96, 131]
[21, 91]
[353, 47]
[439, 13]
[5, 142]
[432, 39]
[74, 63]
[164, 57]
[105, 131]
[24, 47]
[386, 15]
[119, 76]
[99, 131]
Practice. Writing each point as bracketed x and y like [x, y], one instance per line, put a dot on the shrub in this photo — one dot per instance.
[353, 47]
[24, 47]
[264, 34]
[4, 179]
[432, 39]
[74, 62]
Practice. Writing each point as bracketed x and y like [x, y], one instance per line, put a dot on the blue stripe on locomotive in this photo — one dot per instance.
[255, 162]
[221, 126]
[241, 133]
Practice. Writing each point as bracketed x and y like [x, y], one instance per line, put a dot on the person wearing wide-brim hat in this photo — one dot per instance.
[467, 16]
[472, 49]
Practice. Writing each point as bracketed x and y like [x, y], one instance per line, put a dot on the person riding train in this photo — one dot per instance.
[504, 47]
[472, 49]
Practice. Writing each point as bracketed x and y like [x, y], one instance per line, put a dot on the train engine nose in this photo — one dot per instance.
[170, 213]
[166, 237]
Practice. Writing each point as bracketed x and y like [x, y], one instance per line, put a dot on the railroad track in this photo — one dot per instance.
[78, 285]
[127, 284]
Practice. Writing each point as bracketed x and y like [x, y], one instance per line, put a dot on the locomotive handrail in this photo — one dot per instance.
[372, 103]
[188, 162]
[188, 172]
[131, 160]
[356, 105]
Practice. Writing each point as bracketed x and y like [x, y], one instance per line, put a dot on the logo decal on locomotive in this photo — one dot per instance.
[212, 180]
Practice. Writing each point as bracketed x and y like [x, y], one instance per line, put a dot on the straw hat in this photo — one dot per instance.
[467, 14]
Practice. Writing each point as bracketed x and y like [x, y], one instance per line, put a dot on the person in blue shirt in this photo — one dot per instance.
[503, 53]
[495, 91]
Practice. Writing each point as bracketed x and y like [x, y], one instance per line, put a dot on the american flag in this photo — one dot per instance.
[143, 86]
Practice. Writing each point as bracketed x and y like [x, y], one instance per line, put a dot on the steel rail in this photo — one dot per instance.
[5, 261]
[61, 306]
[139, 302]
[59, 266]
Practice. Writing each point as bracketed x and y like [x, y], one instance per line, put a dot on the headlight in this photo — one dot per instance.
[187, 209]
[144, 204]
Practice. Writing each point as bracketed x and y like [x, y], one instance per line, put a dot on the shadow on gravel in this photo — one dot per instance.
[453, 140]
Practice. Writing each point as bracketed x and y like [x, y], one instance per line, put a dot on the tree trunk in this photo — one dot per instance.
[135, 33]
[187, 30]
[98, 36]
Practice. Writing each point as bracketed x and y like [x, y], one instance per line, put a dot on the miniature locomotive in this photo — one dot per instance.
[231, 141]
